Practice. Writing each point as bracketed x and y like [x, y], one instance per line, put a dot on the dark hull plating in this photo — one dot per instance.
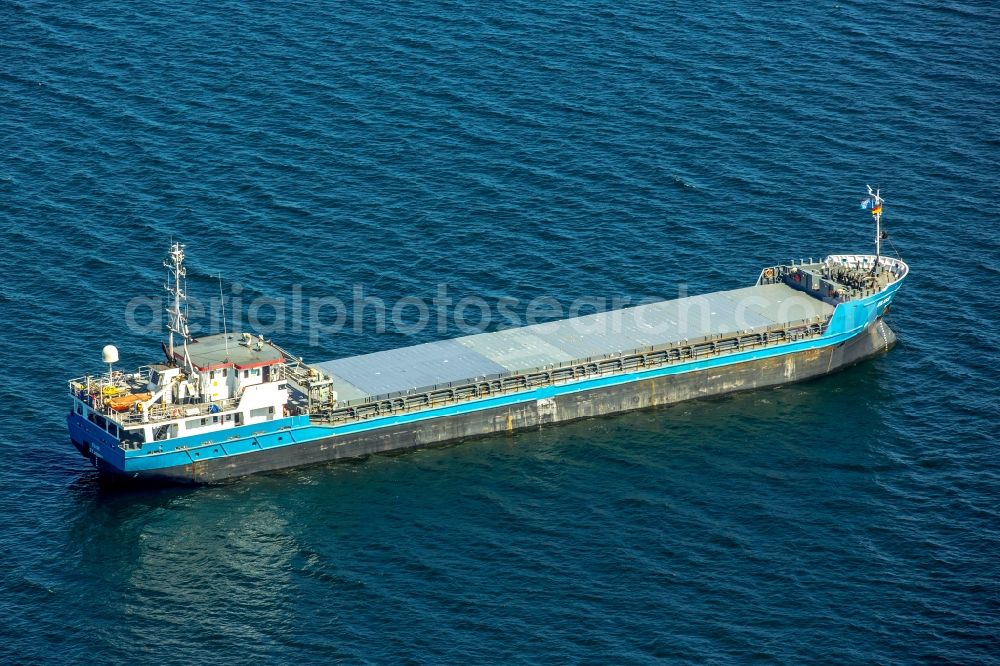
[642, 394]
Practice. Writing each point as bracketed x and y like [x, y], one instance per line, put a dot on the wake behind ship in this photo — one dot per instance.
[227, 405]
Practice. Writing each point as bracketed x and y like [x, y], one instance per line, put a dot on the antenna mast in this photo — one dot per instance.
[222, 303]
[178, 322]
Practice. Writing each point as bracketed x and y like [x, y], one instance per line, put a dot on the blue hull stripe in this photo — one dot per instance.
[300, 430]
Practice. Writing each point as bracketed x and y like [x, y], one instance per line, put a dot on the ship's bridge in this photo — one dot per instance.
[228, 364]
[243, 351]
[225, 367]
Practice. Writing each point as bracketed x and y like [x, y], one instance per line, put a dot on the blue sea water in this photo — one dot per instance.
[511, 150]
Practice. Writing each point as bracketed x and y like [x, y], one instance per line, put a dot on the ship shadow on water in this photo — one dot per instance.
[91, 490]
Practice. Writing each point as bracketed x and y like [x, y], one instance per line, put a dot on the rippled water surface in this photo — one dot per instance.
[513, 150]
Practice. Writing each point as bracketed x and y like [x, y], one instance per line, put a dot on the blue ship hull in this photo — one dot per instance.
[855, 332]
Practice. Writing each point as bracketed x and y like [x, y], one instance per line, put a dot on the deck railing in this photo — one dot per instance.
[159, 412]
[93, 390]
[505, 383]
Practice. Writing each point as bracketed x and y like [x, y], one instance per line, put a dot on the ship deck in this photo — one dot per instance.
[552, 344]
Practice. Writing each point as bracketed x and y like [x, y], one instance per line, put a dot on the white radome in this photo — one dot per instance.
[110, 354]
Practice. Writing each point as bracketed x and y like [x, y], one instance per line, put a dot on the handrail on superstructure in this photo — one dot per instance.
[156, 413]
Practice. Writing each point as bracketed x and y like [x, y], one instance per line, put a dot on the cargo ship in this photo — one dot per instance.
[228, 405]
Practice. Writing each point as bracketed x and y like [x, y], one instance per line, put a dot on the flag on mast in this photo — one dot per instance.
[873, 202]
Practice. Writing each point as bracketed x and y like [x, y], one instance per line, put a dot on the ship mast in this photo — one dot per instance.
[175, 288]
[874, 204]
